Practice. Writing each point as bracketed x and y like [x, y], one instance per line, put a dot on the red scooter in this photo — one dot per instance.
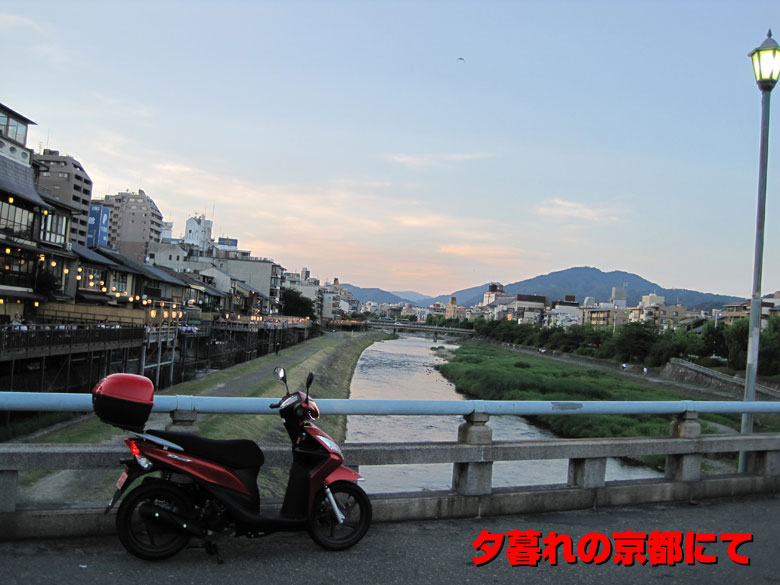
[204, 487]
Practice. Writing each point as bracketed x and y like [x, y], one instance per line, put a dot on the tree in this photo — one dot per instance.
[736, 336]
[634, 341]
[297, 305]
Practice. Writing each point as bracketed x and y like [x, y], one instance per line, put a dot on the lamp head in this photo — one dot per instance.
[766, 63]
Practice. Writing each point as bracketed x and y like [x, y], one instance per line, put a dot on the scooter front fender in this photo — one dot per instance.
[342, 473]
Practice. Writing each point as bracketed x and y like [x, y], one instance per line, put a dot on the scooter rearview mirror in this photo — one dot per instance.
[309, 380]
[281, 375]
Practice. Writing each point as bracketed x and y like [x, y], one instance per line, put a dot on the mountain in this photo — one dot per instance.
[582, 282]
[375, 294]
[413, 296]
[585, 281]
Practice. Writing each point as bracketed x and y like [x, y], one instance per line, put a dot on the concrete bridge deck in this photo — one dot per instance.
[431, 552]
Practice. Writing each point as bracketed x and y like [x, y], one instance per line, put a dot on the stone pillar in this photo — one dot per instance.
[8, 488]
[587, 473]
[184, 421]
[685, 467]
[474, 479]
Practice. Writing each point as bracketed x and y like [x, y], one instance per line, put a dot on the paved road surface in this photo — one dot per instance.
[422, 553]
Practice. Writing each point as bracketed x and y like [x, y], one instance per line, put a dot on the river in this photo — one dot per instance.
[403, 369]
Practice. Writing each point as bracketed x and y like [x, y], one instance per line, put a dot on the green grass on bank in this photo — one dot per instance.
[492, 373]
[333, 362]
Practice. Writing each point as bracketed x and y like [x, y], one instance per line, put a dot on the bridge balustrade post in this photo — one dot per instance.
[766, 463]
[474, 479]
[684, 467]
[184, 421]
[8, 489]
[587, 473]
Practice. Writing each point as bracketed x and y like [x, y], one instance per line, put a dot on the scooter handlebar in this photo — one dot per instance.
[276, 404]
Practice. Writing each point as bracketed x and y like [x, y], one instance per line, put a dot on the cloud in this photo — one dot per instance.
[421, 221]
[432, 160]
[572, 209]
[487, 254]
[13, 22]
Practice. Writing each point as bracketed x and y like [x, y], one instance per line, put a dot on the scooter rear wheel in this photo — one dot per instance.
[146, 538]
[353, 502]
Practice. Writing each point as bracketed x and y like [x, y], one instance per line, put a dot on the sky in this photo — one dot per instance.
[424, 146]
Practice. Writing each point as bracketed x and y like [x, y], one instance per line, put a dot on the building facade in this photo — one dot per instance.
[135, 221]
[66, 180]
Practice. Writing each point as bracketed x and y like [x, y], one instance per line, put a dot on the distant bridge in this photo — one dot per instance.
[397, 325]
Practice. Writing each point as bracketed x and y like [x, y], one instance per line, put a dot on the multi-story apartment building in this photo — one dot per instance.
[66, 180]
[135, 222]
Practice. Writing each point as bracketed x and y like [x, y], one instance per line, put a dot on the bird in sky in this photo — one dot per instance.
[461, 59]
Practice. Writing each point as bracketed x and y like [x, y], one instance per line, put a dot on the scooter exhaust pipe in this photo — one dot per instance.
[155, 514]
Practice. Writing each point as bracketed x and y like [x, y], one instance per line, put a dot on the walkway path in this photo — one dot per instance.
[435, 552]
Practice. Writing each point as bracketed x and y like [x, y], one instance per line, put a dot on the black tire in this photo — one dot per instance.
[152, 541]
[356, 507]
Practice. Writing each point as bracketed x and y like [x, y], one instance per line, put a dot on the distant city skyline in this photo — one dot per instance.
[420, 146]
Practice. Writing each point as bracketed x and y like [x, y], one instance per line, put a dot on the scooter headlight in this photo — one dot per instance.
[330, 444]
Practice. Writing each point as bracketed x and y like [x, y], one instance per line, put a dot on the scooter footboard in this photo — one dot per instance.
[342, 474]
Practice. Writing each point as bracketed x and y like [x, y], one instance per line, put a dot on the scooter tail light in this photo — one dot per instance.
[145, 464]
[134, 448]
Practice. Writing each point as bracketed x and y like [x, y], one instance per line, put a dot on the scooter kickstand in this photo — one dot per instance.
[213, 549]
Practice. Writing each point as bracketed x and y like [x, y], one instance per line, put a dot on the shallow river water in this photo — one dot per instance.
[403, 369]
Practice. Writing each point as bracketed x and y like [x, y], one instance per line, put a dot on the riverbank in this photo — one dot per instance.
[493, 373]
[332, 357]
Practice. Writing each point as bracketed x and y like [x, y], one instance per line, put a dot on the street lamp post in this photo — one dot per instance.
[766, 66]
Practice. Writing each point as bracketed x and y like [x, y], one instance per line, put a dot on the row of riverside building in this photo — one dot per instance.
[538, 310]
[68, 257]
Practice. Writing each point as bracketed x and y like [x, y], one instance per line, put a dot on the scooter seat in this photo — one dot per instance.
[236, 453]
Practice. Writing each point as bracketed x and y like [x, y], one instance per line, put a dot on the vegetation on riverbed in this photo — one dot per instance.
[492, 373]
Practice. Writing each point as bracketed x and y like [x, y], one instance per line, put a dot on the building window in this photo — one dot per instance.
[12, 128]
[17, 267]
[91, 279]
[54, 229]
[15, 222]
[119, 282]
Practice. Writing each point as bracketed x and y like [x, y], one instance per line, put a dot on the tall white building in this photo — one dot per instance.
[197, 232]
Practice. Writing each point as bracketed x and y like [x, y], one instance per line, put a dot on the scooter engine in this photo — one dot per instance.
[215, 516]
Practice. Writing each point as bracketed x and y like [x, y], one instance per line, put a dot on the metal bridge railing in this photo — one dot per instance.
[471, 456]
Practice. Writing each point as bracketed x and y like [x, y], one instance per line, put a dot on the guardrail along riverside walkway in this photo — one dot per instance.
[472, 456]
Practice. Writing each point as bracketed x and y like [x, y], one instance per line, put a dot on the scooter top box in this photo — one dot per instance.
[124, 400]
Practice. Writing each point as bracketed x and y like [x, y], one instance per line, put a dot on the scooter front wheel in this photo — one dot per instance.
[141, 533]
[353, 503]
